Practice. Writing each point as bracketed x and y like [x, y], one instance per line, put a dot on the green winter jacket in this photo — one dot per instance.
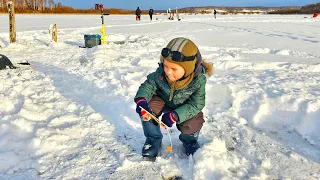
[186, 102]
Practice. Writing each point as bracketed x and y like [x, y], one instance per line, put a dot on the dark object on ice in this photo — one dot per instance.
[4, 62]
[24, 63]
[174, 177]
[92, 40]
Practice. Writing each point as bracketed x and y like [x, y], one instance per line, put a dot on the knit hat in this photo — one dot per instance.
[187, 48]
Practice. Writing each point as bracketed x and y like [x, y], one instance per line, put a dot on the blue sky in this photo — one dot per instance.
[165, 4]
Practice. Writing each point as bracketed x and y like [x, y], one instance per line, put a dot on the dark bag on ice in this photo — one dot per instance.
[4, 62]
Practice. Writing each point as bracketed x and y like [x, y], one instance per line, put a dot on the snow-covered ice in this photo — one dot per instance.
[72, 116]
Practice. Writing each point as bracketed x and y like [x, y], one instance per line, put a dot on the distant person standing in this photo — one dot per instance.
[170, 14]
[138, 14]
[150, 13]
[215, 14]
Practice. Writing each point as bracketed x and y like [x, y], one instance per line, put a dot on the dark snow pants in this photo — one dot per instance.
[190, 126]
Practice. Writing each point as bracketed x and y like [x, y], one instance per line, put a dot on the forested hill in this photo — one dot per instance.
[230, 9]
[311, 8]
[307, 9]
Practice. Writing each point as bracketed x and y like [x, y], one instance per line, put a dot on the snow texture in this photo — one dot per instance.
[71, 114]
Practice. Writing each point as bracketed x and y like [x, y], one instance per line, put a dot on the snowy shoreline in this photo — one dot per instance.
[71, 116]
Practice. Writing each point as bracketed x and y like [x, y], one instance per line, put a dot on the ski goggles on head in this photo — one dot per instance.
[176, 55]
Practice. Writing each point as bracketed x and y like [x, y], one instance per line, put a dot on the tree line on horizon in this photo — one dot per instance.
[35, 5]
[49, 6]
[307, 9]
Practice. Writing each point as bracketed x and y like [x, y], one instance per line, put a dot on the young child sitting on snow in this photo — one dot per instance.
[176, 89]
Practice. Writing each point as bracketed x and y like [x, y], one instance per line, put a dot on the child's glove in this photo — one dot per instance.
[169, 118]
[144, 104]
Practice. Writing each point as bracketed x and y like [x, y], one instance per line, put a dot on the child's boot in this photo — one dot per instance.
[190, 142]
[151, 148]
[153, 142]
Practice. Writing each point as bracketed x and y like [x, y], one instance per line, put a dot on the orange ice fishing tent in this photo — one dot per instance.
[315, 15]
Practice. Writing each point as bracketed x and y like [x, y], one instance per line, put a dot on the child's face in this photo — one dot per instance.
[173, 71]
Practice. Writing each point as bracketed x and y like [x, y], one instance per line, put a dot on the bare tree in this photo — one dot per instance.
[35, 5]
[24, 4]
[39, 4]
[1, 3]
[21, 4]
[32, 4]
[51, 4]
[44, 4]
[16, 3]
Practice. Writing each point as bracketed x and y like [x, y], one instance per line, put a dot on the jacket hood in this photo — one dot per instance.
[198, 66]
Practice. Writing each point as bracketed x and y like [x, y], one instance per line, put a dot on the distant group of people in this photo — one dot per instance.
[138, 14]
[171, 14]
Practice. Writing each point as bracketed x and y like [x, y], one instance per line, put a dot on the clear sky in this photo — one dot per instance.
[165, 4]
